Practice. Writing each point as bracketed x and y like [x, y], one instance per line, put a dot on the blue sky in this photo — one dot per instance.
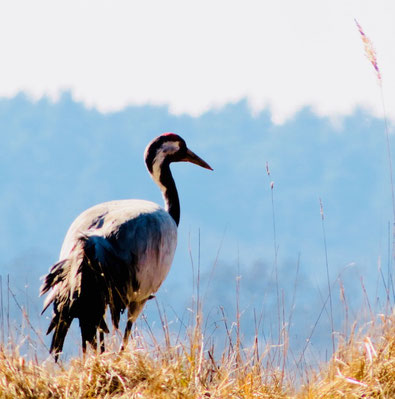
[86, 85]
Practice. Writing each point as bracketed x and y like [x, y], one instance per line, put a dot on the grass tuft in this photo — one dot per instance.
[362, 366]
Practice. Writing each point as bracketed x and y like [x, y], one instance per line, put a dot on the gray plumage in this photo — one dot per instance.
[116, 254]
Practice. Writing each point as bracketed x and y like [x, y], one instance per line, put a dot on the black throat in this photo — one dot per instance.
[169, 192]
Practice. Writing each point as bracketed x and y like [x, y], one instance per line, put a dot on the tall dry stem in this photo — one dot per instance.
[275, 247]
[327, 274]
[371, 55]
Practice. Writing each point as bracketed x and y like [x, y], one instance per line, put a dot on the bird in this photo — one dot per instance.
[117, 254]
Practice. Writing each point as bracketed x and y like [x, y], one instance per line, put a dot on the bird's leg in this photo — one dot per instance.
[102, 329]
[126, 336]
[94, 343]
[101, 337]
[133, 311]
[83, 347]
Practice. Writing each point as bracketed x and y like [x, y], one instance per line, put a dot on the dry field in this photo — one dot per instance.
[362, 367]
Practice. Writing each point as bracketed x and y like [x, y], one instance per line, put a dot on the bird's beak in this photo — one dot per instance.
[192, 157]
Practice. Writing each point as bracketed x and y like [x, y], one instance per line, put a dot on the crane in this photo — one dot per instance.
[117, 254]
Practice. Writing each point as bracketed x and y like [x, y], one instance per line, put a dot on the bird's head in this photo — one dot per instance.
[167, 148]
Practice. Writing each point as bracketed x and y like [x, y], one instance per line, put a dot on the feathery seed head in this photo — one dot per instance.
[370, 52]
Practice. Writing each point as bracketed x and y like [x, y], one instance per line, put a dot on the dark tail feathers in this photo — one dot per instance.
[79, 290]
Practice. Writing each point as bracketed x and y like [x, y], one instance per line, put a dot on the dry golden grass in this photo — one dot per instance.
[363, 367]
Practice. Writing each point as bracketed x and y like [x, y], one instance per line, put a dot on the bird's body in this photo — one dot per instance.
[125, 228]
[117, 254]
[148, 229]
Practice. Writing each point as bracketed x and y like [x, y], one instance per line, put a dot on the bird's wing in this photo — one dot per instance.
[135, 258]
[114, 253]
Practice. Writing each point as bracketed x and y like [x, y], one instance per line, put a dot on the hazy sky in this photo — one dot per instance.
[195, 55]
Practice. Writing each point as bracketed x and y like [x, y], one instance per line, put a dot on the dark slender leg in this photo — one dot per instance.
[126, 336]
[83, 348]
[133, 311]
[101, 337]
[94, 343]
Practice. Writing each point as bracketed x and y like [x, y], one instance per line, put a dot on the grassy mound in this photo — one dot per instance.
[363, 366]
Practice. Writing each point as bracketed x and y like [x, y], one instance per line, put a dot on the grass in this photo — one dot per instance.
[362, 366]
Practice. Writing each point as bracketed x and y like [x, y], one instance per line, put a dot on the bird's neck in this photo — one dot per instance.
[166, 184]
